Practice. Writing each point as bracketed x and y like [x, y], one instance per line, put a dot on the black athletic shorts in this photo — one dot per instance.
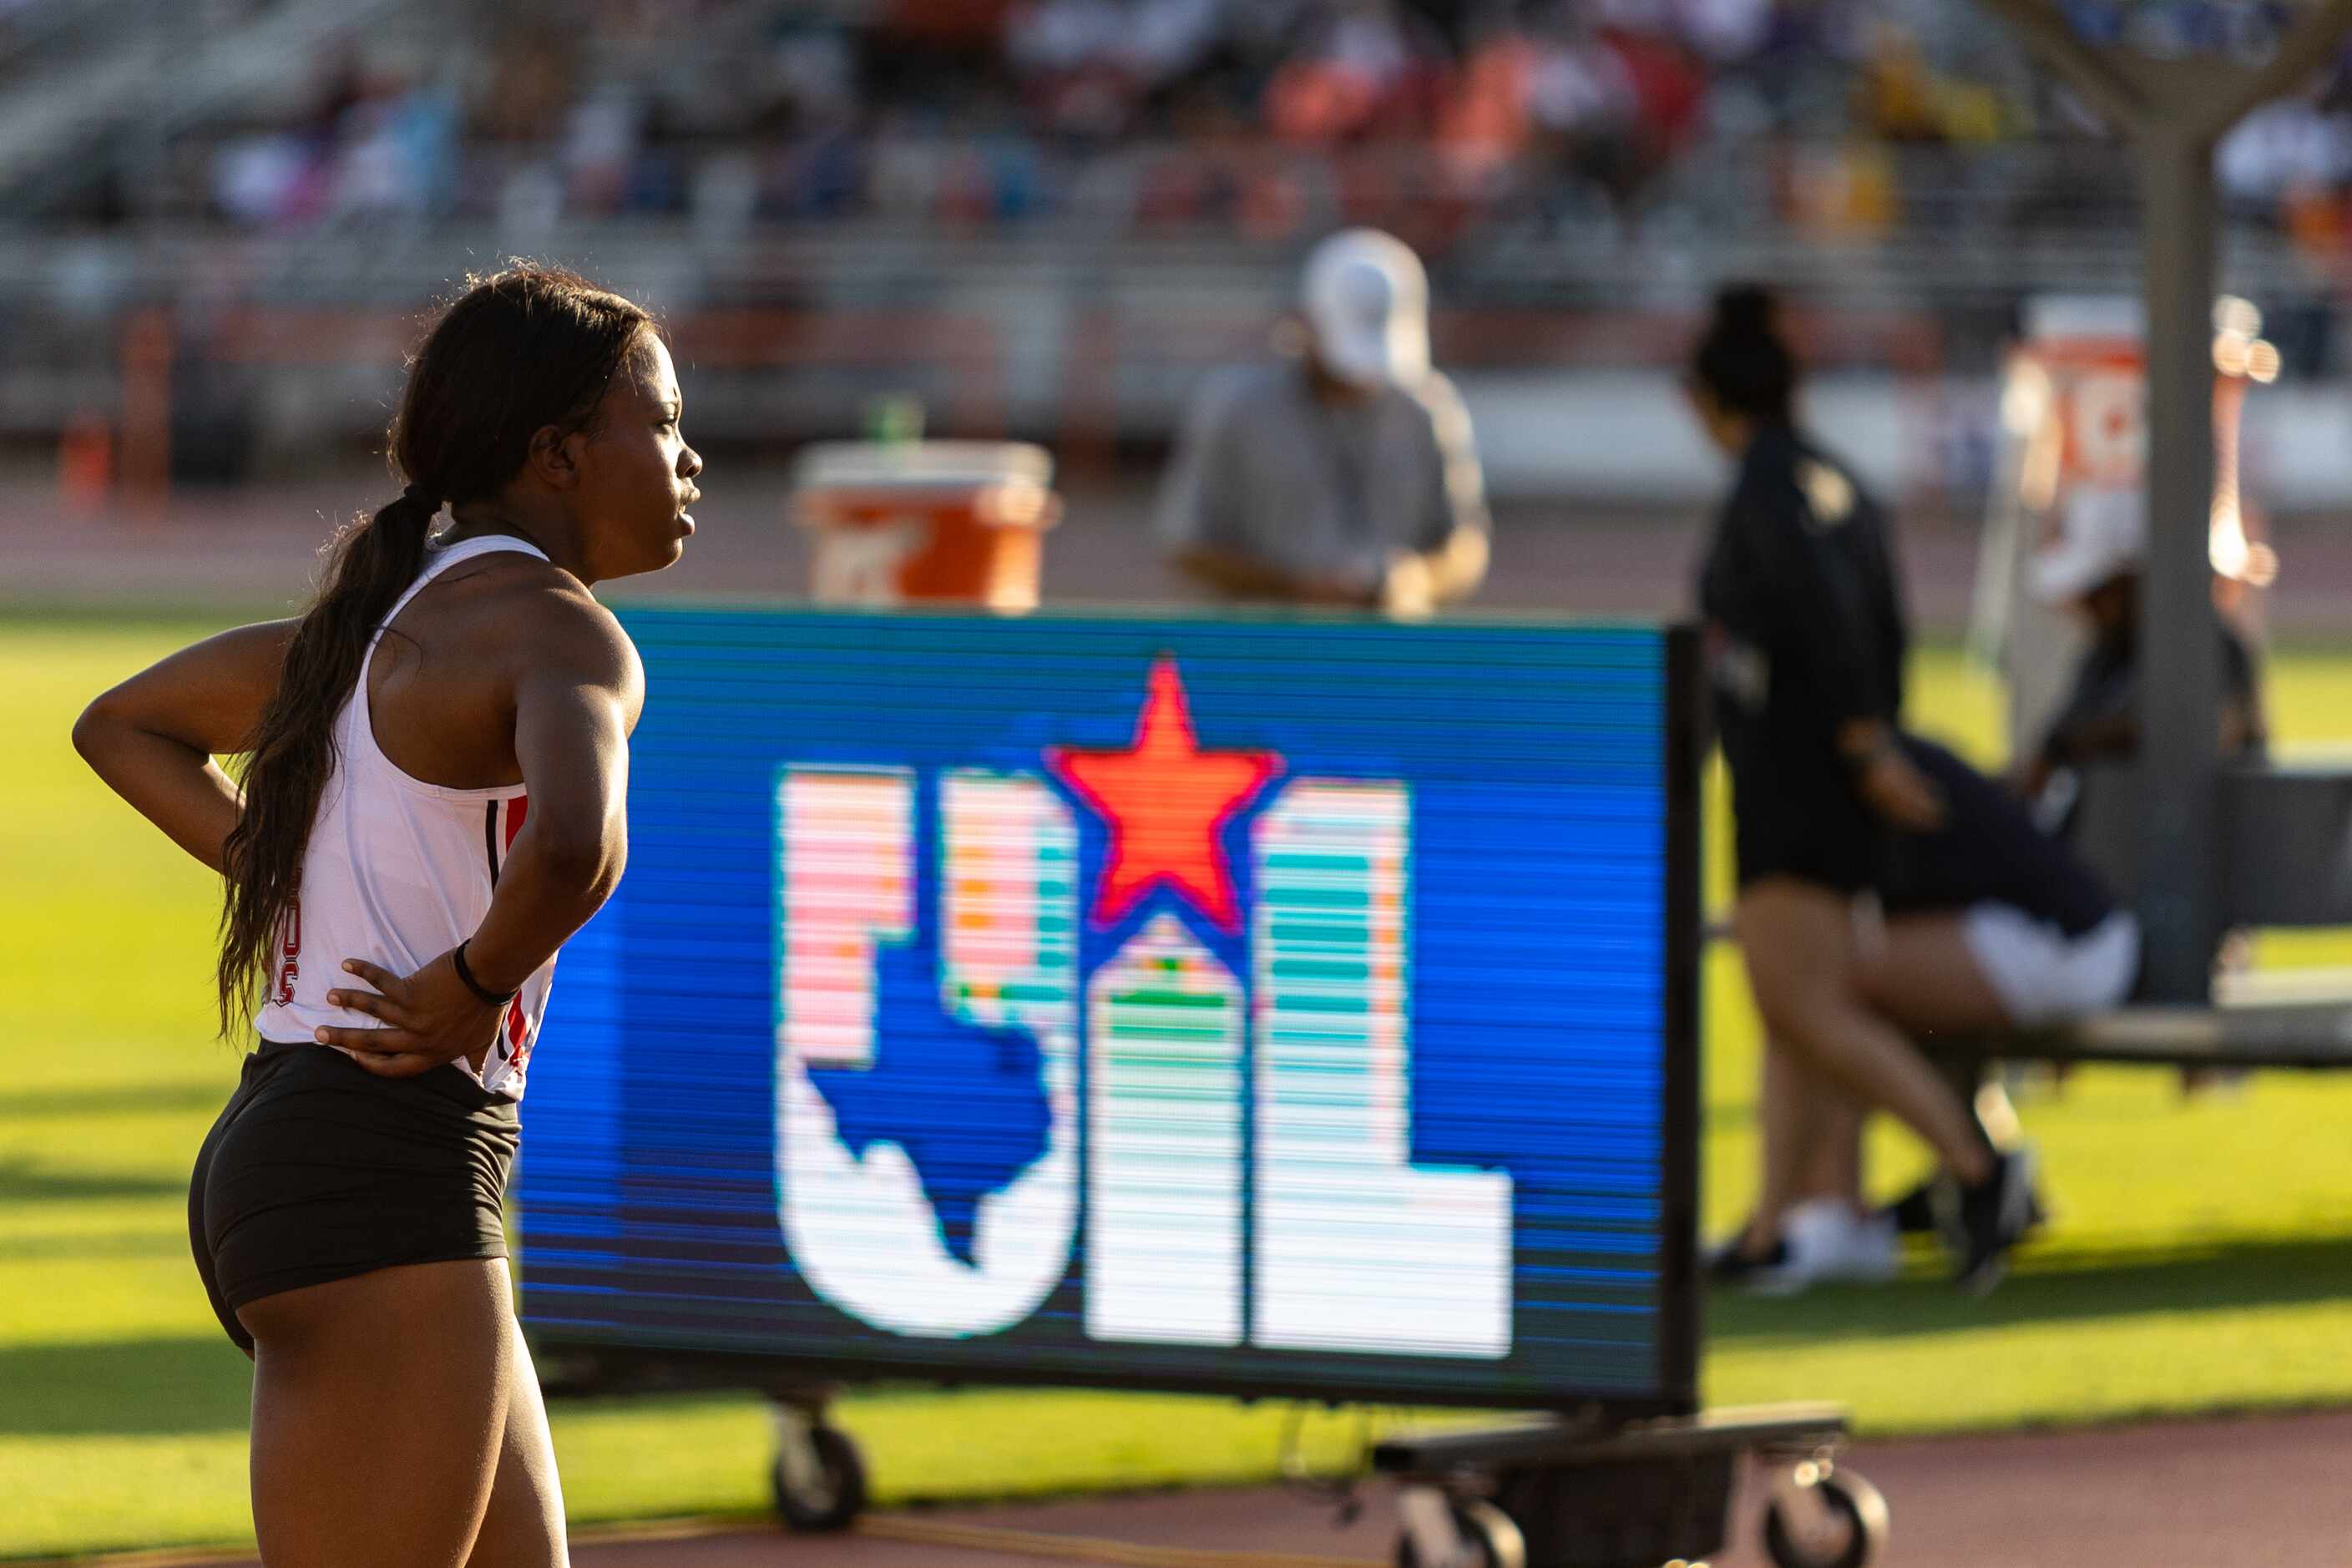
[318, 1170]
[1821, 833]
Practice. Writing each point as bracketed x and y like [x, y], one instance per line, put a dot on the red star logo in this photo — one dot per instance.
[1166, 801]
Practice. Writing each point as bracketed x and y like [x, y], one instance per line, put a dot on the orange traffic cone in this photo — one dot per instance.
[85, 463]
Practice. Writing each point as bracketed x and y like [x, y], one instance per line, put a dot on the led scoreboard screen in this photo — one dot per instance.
[1286, 1007]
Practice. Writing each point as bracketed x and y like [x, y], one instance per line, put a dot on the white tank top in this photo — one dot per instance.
[397, 872]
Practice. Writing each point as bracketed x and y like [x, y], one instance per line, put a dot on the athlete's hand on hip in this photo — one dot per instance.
[428, 1017]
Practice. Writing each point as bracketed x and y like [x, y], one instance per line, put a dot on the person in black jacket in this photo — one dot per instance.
[1805, 642]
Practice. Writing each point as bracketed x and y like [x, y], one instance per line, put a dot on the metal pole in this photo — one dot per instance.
[2174, 112]
[2179, 656]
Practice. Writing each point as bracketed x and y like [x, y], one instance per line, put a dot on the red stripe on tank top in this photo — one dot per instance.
[517, 809]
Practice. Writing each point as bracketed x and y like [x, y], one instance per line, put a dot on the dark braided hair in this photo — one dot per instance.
[1744, 360]
[522, 350]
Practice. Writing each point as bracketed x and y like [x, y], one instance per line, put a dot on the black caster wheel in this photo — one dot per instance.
[1489, 1539]
[1860, 1516]
[832, 1494]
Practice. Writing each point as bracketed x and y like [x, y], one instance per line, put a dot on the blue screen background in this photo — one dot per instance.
[1536, 758]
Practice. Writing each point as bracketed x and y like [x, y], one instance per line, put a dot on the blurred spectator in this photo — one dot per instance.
[2289, 148]
[2095, 570]
[1488, 122]
[398, 153]
[1897, 91]
[1362, 65]
[531, 79]
[599, 145]
[1347, 476]
[1088, 66]
[996, 110]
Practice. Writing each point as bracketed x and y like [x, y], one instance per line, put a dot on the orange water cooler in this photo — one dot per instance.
[895, 522]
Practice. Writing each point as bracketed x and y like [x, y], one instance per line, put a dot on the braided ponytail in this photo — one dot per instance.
[369, 564]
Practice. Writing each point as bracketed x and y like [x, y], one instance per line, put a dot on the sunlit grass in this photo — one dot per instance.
[2201, 1256]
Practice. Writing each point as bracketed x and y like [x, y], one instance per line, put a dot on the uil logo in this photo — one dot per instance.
[1232, 1163]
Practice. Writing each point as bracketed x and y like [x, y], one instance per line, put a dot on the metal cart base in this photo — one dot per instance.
[1645, 1494]
[818, 1476]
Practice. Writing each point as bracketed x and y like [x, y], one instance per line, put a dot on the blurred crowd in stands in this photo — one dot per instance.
[1268, 118]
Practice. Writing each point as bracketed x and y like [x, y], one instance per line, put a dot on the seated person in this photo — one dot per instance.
[2096, 572]
[1985, 924]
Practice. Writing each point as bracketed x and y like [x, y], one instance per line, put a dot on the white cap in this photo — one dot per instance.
[1367, 302]
[2103, 535]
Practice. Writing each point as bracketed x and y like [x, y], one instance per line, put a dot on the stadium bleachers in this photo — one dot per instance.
[1040, 171]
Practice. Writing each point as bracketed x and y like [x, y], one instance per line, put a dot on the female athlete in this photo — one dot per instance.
[433, 803]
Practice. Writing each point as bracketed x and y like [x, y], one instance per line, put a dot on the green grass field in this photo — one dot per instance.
[2200, 1259]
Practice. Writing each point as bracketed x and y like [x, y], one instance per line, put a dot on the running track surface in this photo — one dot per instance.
[2215, 1494]
[248, 549]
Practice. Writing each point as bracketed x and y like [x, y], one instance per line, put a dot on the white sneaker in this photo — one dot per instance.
[1829, 1243]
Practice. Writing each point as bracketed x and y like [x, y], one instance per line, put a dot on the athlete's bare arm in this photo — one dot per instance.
[578, 692]
[578, 687]
[153, 738]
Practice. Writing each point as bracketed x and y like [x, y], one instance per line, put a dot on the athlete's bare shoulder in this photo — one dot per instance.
[533, 622]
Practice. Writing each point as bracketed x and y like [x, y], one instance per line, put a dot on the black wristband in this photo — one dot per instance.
[489, 998]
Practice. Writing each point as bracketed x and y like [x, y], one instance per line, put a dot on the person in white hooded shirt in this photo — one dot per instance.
[1345, 473]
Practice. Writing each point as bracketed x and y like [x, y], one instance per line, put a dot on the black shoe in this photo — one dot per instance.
[1981, 1224]
[1913, 1212]
[1729, 1263]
